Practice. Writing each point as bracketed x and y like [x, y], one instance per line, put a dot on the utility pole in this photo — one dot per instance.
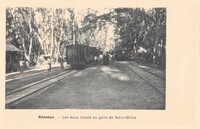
[52, 26]
[73, 29]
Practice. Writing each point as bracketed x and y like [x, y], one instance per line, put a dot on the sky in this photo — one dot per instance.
[79, 16]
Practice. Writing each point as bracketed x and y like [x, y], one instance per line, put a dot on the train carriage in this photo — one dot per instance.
[79, 55]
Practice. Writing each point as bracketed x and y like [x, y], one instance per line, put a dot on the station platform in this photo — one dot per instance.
[35, 68]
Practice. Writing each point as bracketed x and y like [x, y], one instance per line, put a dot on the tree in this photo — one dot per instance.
[138, 28]
[21, 29]
[37, 31]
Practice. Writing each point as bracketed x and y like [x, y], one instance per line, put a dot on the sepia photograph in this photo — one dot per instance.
[85, 58]
[99, 64]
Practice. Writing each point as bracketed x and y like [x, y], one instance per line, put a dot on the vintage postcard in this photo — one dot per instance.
[100, 64]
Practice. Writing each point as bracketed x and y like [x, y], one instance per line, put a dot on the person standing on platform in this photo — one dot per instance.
[49, 63]
[21, 65]
[61, 62]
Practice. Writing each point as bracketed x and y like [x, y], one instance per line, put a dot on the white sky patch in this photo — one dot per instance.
[80, 13]
[110, 38]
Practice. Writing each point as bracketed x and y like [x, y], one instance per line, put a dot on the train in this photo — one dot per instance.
[79, 56]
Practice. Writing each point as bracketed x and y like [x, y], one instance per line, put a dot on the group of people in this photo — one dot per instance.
[23, 65]
[107, 59]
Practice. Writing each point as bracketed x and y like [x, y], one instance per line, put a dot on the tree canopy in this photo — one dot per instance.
[128, 33]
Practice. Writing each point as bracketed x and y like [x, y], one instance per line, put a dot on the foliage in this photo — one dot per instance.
[136, 29]
[139, 34]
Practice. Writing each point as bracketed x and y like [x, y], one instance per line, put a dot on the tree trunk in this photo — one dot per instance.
[157, 38]
[24, 50]
[31, 40]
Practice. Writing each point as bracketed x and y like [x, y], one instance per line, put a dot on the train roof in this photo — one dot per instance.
[11, 48]
[79, 45]
[75, 45]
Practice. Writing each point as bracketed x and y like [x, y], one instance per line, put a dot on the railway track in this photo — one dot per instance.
[25, 74]
[157, 82]
[23, 92]
[149, 72]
